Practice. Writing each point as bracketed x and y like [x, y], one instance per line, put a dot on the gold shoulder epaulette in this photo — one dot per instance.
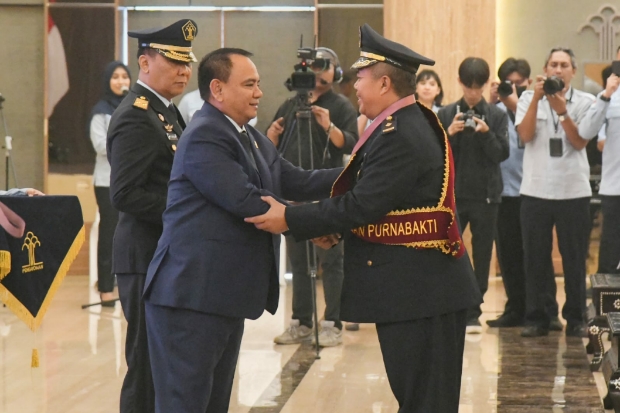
[141, 102]
[389, 125]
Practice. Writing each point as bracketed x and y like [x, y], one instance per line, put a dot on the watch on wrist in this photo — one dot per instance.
[562, 116]
[604, 98]
[330, 128]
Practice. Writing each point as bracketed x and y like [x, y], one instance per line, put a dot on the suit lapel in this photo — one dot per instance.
[261, 164]
[260, 175]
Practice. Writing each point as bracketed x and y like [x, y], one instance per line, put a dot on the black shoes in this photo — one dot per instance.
[555, 324]
[576, 330]
[534, 331]
[506, 320]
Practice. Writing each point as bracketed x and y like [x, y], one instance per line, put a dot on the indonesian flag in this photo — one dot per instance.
[57, 74]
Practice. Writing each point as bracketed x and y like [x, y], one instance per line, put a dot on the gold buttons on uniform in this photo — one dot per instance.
[369, 263]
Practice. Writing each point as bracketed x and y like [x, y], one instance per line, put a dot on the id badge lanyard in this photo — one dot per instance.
[556, 143]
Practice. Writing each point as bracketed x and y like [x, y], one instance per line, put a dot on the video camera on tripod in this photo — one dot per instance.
[302, 80]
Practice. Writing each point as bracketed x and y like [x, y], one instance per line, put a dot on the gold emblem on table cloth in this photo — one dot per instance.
[617, 304]
[31, 242]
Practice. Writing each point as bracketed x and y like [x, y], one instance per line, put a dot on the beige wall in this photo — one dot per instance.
[446, 31]
[530, 28]
[272, 37]
[21, 84]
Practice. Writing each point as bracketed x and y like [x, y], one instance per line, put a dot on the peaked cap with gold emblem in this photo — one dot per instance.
[173, 42]
[375, 48]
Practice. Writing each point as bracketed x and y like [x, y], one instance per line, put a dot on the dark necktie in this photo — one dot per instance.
[247, 145]
[173, 112]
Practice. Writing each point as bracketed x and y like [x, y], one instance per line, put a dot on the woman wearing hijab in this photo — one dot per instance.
[116, 82]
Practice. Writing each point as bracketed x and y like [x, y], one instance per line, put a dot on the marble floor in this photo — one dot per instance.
[82, 365]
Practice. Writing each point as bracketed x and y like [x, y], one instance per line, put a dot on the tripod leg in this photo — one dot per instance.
[311, 254]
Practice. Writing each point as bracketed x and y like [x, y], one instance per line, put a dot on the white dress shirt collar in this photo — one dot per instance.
[163, 99]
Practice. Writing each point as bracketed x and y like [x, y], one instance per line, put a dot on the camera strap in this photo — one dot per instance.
[556, 124]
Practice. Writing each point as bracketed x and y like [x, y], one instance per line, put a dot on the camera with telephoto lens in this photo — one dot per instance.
[468, 117]
[553, 85]
[504, 89]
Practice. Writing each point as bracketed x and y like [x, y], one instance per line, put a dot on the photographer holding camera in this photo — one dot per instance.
[478, 133]
[555, 191]
[605, 113]
[514, 79]
[333, 133]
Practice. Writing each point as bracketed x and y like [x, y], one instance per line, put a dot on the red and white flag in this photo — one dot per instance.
[57, 73]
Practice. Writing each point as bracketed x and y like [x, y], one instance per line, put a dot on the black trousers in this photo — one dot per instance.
[571, 219]
[482, 218]
[194, 356]
[509, 244]
[424, 360]
[108, 218]
[609, 250]
[333, 273]
[137, 393]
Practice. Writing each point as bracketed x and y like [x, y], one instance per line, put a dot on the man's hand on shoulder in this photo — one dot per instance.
[274, 220]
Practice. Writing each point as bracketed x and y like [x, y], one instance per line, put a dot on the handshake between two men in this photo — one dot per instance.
[274, 221]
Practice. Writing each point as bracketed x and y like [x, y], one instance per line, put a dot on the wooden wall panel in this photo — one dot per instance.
[447, 31]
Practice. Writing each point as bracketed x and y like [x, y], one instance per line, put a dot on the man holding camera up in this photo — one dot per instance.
[555, 191]
[478, 133]
[514, 75]
[605, 112]
[332, 134]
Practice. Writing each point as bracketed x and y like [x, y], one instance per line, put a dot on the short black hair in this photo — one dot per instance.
[474, 71]
[403, 81]
[428, 74]
[147, 51]
[511, 65]
[216, 65]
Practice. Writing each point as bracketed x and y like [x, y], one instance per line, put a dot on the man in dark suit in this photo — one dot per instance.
[405, 265]
[142, 140]
[212, 270]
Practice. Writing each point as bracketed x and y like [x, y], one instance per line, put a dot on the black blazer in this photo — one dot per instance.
[477, 155]
[208, 258]
[400, 169]
[140, 153]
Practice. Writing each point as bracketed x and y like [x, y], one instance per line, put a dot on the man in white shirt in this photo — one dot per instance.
[555, 191]
[605, 114]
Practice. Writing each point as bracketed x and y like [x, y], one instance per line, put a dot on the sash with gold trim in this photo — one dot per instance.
[425, 227]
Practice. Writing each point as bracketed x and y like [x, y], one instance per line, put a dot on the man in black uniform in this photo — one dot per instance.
[333, 133]
[142, 139]
[405, 265]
